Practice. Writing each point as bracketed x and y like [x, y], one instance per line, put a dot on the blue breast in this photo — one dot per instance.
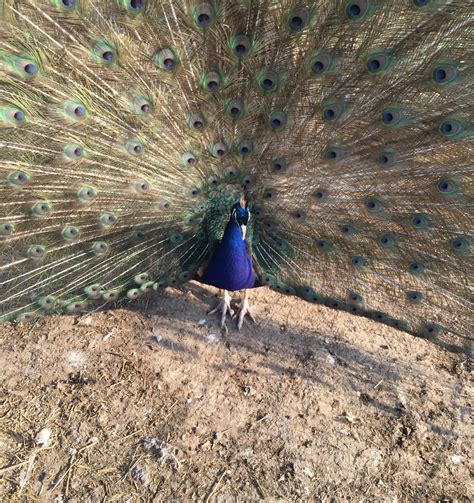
[230, 266]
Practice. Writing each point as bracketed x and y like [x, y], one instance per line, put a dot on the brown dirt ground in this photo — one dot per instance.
[150, 403]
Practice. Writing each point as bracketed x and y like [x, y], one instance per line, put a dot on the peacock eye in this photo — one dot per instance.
[420, 222]
[374, 205]
[447, 187]
[386, 159]
[70, 232]
[166, 59]
[268, 80]
[421, 3]
[277, 120]
[335, 153]
[414, 297]
[137, 5]
[212, 81]
[30, 69]
[460, 245]
[219, 150]
[296, 22]
[104, 52]
[87, 194]
[188, 159]
[333, 111]
[241, 45]
[451, 128]
[377, 63]
[197, 122]
[204, 15]
[320, 63]
[245, 147]
[279, 165]
[392, 117]
[6, 229]
[235, 108]
[18, 178]
[298, 19]
[357, 9]
[134, 147]
[19, 116]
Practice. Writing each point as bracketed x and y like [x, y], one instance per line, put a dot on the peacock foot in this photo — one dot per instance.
[224, 307]
[244, 309]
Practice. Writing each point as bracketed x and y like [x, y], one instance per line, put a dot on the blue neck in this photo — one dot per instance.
[230, 266]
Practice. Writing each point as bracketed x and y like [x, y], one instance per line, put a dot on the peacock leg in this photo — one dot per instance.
[224, 308]
[244, 309]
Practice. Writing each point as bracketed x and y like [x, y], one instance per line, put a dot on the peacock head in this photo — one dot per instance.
[241, 216]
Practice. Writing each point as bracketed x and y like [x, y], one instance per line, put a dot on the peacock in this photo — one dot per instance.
[320, 148]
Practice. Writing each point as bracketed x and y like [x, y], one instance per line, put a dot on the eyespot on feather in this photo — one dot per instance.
[333, 111]
[204, 15]
[321, 63]
[444, 74]
[241, 45]
[41, 209]
[36, 252]
[219, 150]
[6, 229]
[235, 108]
[104, 52]
[133, 6]
[277, 120]
[18, 179]
[279, 165]
[212, 81]
[166, 59]
[298, 19]
[357, 10]
[70, 232]
[197, 122]
[86, 194]
[100, 248]
[134, 147]
[268, 80]
[245, 147]
[107, 219]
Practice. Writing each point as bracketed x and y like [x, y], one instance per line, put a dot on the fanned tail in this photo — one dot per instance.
[127, 130]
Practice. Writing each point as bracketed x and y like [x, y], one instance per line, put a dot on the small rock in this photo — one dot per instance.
[457, 459]
[308, 472]
[402, 399]
[140, 475]
[108, 335]
[212, 338]
[330, 359]
[149, 443]
[43, 437]
[76, 358]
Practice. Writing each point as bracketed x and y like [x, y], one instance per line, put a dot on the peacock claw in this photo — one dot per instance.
[224, 307]
[244, 309]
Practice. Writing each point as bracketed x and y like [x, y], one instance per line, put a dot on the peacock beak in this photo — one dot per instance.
[243, 230]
